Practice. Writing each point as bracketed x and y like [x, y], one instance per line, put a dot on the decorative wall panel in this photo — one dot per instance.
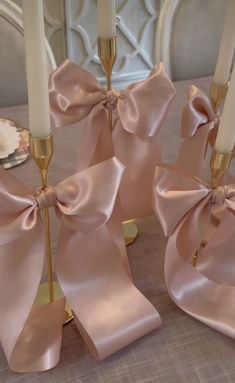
[71, 31]
[55, 29]
[136, 25]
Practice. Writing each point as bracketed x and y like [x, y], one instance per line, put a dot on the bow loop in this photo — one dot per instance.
[86, 200]
[143, 105]
[18, 213]
[73, 93]
[176, 192]
[197, 112]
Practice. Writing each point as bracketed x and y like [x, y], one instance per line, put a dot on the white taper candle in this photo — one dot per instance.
[36, 68]
[226, 133]
[106, 15]
[227, 46]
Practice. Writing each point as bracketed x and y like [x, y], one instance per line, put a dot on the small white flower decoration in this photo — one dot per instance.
[9, 138]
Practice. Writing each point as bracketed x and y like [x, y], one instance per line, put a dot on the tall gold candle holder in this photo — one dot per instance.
[42, 152]
[219, 163]
[107, 51]
[218, 94]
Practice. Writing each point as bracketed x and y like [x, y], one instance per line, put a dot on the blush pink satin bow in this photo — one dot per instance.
[75, 94]
[199, 121]
[109, 311]
[184, 205]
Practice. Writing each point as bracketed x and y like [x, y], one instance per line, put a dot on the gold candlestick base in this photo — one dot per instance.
[219, 163]
[130, 231]
[42, 152]
[43, 298]
[218, 94]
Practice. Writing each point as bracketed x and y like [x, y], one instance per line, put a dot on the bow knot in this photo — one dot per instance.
[111, 99]
[219, 195]
[46, 197]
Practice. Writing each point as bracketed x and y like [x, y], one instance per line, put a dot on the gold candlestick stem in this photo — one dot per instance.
[42, 151]
[107, 51]
[218, 94]
[219, 163]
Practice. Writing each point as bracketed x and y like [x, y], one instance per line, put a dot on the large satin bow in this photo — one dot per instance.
[140, 109]
[109, 311]
[184, 206]
[198, 122]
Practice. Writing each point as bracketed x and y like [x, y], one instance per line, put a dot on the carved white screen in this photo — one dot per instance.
[136, 27]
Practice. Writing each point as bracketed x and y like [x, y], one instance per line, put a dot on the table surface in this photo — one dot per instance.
[183, 350]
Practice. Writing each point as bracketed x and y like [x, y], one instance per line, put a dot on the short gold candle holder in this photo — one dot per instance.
[42, 152]
[219, 163]
[218, 94]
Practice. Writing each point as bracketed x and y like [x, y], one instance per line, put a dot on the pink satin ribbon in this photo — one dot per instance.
[199, 121]
[75, 94]
[110, 312]
[184, 206]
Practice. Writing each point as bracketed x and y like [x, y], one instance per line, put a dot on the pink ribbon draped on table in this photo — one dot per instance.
[109, 311]
[75, 94]
[184, 206]
[198, 218]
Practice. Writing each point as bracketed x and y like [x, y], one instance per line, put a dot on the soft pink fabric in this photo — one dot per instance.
[110, 312]
[198, 122]
[140, 109]
[184, 206]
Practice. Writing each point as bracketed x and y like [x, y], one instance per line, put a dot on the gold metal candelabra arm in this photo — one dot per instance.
[218, 94]
[42, 151]
[219, 163]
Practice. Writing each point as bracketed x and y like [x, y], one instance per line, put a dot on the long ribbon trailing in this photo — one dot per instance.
[184, 206]
[75, 94]
[110, 312]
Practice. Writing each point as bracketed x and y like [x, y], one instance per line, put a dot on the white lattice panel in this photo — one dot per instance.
[136, 25]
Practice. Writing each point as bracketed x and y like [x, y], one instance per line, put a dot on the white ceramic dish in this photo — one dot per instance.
[9, 138]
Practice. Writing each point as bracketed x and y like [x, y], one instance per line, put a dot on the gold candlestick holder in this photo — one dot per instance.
[219, 163]
[218, 94]
[42, 152]
[107, 51]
